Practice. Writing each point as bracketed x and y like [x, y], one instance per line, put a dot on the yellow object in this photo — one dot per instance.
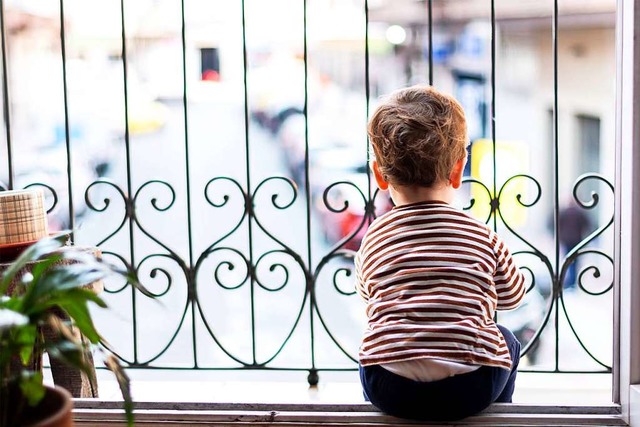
[146, 117]
[512, 158]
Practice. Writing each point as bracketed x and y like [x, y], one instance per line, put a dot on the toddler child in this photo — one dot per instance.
[432, 276]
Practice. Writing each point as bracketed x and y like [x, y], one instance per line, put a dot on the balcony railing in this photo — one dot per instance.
[230, 211]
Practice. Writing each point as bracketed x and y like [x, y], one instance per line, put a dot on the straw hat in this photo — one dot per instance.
[23, 220]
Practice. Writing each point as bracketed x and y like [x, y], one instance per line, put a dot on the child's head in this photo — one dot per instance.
[418, 134]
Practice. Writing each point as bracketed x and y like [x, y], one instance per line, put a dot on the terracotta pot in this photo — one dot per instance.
[54, 410]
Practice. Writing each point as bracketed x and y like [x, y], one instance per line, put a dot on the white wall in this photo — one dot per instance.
[525, 95]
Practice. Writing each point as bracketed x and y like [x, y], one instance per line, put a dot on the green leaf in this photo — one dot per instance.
[14, 304]
[65, 277]
[82, 256]
[91, 261]
[147, 293]
[71, 354]
[75, 305]
[26, 338]
[62, 329]
[124, 383]
[128, 274]
[44, 264]
[69, 296]
[32, 279]
[32, 387]
[32, 253]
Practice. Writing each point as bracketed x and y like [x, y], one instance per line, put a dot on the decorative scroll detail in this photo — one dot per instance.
[273, 268]
[595, 273]
[338, 253]
[124, 263]
[472, 201]
[276, 269]
[106, 202]
[590, 204]
[47, 189]
[556, 301]
[519, 199]
[290, 186]
[225, 199]
[368, 213]
[225, 267]
[154, 200]
[160, 208]
[157, 273]
[346, 272]
[345, 204]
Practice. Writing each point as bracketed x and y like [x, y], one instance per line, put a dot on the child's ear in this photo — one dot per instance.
[382, 183]
[455, 178]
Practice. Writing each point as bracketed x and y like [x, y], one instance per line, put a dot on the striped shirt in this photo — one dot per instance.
[432, 278]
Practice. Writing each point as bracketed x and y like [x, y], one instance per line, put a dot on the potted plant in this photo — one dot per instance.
[56, 283]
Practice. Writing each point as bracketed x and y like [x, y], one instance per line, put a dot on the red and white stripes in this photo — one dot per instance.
[432, 278]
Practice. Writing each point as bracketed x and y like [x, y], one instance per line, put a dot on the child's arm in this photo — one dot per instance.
[508, 279]
[360, 287]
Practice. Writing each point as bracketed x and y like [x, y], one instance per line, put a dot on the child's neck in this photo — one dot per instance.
[402, 195]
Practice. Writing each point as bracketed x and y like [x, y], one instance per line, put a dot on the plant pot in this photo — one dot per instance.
[54, 410]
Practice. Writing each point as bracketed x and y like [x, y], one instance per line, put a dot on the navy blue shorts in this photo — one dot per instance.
[450, 399]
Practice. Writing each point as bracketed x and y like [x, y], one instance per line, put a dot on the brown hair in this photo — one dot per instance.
[417, 135]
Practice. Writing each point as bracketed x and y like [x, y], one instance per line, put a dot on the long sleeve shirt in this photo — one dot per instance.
[432, 278]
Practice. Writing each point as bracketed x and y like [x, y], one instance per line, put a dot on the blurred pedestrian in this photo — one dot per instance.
[573, 226]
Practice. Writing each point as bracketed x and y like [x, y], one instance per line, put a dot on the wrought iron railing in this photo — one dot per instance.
[239, 254]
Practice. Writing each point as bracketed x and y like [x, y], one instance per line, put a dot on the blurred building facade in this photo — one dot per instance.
[303, 71]
[524, 75]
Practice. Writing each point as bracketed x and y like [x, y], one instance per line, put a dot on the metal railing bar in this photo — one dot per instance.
[185, 109]
[430, 24]
[129, 201]
[67, 138]
[557, 285]
[310, 284]
[249, 197]
[6, 106]
[262, 367]
[367, 92]
[494, 200]
[185, 106]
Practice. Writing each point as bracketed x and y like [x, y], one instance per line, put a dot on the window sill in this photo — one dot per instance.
[91, 412]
